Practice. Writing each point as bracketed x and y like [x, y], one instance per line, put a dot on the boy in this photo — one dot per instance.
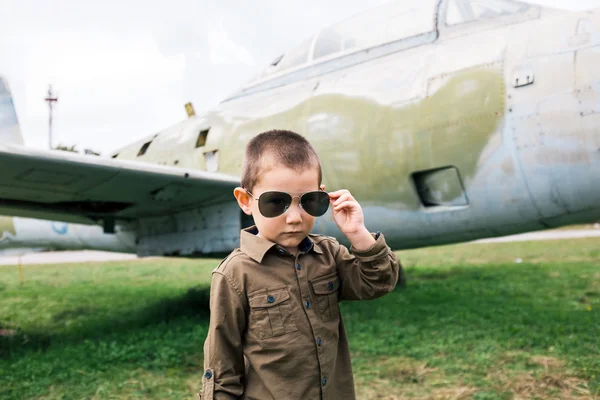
[275, 326]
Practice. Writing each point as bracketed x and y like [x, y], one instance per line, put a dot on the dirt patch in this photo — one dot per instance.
[551, 382]
[400, 378]
[403, 370]
[543, 386]
[383, 390]
[549, 363]
[513, 357]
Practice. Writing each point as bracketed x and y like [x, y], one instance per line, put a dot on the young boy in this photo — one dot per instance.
[275, 326]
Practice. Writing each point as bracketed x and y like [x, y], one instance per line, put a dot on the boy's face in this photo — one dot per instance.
[291, 227]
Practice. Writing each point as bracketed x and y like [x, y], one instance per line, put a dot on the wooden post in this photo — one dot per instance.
[20, 271]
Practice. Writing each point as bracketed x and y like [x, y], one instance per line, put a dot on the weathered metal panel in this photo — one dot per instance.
[212, 229]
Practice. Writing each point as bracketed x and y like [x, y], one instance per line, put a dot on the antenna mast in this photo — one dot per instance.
[51, 99]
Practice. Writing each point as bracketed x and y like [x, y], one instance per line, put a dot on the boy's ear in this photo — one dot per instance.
[243, 199]
[323, 187]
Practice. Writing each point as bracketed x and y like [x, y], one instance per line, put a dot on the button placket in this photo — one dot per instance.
[313, 318]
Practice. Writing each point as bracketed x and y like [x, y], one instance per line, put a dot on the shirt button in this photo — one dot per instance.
[298, 267]
[281, 251]
[208, 375]
[270, 299]
[319, 341]
[324, 381]
[330, 286]
[307, 304]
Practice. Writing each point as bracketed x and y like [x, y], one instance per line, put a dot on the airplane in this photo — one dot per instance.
[24, 235]
[449, 120]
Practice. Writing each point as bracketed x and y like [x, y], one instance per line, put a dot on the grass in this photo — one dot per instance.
[476, 321]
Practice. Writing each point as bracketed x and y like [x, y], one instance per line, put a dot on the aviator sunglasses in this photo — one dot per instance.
[272, 204]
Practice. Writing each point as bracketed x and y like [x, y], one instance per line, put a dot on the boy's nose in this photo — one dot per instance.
[294, 213]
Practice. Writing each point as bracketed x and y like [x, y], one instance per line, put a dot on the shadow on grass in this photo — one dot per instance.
[193, 304]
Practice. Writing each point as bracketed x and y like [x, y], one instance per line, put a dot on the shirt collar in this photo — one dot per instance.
[256, 247]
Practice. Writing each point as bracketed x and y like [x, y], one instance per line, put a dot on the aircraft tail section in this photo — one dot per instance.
[10, 133]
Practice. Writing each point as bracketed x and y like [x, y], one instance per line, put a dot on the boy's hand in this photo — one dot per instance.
[349, 217]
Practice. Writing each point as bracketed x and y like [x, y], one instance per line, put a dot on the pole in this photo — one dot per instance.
[20, 271]
[51, 99]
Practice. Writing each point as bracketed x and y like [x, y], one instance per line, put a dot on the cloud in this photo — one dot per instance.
[223, 51]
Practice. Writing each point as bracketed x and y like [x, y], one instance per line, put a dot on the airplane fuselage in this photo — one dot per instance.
[440, 141]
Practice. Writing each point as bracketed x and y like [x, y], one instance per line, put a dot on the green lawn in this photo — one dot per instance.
[472, 324]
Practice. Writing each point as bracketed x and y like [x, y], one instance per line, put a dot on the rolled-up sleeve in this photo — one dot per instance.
[223, 376]
[367, 274]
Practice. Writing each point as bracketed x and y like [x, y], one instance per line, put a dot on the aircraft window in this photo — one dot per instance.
[388, 23]
[384, 24]
[144, 148]
[201, 141]
[295, 57]
[329, 42]
[461, 11]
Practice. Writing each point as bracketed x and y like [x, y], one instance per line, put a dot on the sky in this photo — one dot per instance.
[123, 69]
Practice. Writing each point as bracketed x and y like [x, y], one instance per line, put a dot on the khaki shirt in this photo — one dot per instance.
[275, 326]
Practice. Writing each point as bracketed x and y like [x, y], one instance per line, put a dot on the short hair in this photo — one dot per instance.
[286, 147]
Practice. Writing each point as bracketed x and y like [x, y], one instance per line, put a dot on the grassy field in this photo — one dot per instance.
[476, 321]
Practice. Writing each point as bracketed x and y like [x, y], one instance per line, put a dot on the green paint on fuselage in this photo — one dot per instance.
[365, 146]
[372, 149]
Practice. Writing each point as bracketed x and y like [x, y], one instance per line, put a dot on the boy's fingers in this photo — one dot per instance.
[337, 193]
[347, 204]
[342, 198]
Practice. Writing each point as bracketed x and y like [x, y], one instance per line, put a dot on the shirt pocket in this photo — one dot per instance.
[271, 313]
[326, 294]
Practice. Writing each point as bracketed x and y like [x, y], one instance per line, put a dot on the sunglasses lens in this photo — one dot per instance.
[315, 203]
[273, 204]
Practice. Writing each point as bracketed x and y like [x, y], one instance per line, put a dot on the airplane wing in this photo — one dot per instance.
[69, 187]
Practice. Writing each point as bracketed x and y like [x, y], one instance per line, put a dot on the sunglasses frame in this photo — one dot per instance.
[291, 201]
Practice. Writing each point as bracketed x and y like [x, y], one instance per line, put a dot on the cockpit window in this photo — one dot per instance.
[328, 42]
[462, 11]
[384, 24]
[297, 56]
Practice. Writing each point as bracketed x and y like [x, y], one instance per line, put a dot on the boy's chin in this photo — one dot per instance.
[290, 239]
